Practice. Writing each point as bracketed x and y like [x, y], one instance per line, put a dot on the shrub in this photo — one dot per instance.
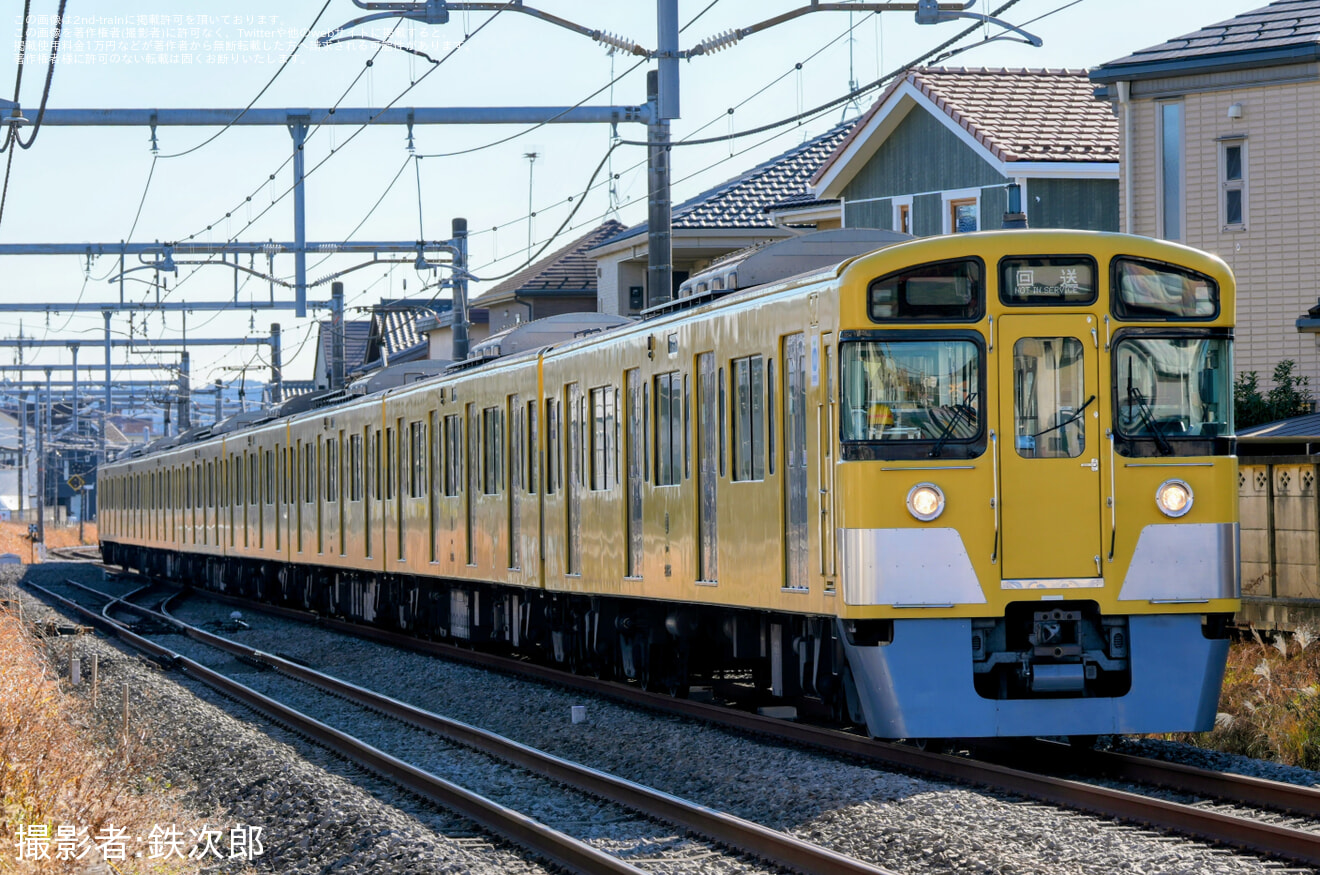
[1291, 396]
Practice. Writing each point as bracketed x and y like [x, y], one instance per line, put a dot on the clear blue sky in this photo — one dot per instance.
[86, 184]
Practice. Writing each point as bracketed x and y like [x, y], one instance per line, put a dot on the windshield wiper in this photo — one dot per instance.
[1148, 418]
[947, 431]
[1081, 411]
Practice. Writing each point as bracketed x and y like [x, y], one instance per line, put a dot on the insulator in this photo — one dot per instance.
[716, 43]
[621, 43]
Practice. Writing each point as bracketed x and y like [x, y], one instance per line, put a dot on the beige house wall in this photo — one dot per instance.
[1275, 257]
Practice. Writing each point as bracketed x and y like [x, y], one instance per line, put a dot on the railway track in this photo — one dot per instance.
[778, 849]
[1285, 842]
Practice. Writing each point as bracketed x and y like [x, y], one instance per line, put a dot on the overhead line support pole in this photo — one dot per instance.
[105, 410]
[460, 313]
[276, 367]
[298, 128]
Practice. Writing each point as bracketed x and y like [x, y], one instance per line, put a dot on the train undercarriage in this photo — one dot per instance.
[1059, 668]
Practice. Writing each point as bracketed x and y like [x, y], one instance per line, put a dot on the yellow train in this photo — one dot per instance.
[963, 486]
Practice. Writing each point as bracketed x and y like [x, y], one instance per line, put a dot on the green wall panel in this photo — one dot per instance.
[920, 155]
[1085, 204]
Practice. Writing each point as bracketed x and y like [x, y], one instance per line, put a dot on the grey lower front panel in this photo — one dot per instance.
[920, 685]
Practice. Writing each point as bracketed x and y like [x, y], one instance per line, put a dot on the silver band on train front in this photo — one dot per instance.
[925, 567]
[1184, 562]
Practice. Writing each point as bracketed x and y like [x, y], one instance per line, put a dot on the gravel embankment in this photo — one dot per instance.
[318, 814]
[905, 823]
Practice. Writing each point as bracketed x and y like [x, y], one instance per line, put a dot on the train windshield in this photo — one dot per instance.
[1174, 387]
[911, 390]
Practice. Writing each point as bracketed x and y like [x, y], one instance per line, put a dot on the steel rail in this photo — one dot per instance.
[1269, 839]
[1224, 786]
[559, 848]
[746, 836]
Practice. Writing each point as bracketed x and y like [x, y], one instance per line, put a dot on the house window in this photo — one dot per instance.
[903, 215]
[1171, 170]
[964, 216]
[1233, 183]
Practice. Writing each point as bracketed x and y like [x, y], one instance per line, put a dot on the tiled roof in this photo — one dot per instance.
[355, 340]
[1306, 427]
[801, 201]
[1282, 25]
[567, 270]
[740, 202]
[394, 326]
[1018, 115]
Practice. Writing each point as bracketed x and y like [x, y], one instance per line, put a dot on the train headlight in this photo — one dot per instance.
[925, 501]
[1174, 498]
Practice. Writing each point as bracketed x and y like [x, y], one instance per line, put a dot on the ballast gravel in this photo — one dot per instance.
[317, 814]
[904, 823]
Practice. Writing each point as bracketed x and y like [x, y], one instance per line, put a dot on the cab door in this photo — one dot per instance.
[1050, 455]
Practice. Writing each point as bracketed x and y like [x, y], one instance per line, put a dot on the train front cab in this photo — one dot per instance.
[1038, 525]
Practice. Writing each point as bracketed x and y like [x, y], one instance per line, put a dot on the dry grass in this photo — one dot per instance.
[14, 538]
[1270, 705]
[57, 768]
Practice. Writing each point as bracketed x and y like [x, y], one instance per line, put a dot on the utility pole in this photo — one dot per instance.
[22, 444]
[337, 368]
[219, 401]
[185, 393]
[531, 165]
[105, 404]
[663, 97]
[460, 332]
[276, 367]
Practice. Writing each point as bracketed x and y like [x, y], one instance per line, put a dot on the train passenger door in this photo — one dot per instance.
[826, 431]
[575, 466]
[795, 462]
[708, 473]
[636, 470]
[1050, 454]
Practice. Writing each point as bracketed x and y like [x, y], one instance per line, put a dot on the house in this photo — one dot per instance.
[561, 282]
[355, 346]
[1219, 130]
[938, 150]
[728, 217]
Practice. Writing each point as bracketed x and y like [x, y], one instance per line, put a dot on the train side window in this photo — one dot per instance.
[374, 463]
[491, 450]
[687, 427]
[723, 408]
[417, 438]
[389, 466]
[332, 469]
[553, 459]
[453, 454]
[355, 467]
[604, 438]
[533, 437]
[748, 418]
[669, 427]
[948, 291]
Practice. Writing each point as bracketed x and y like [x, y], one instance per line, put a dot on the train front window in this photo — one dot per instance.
[1153, 291]
[1172, 388]
[911, 390]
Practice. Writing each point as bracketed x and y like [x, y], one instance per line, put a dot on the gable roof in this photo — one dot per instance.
[394, 330]
[1011, 116]
[566, 271]
[1287, 31]
[356, 332]
[741, 202]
